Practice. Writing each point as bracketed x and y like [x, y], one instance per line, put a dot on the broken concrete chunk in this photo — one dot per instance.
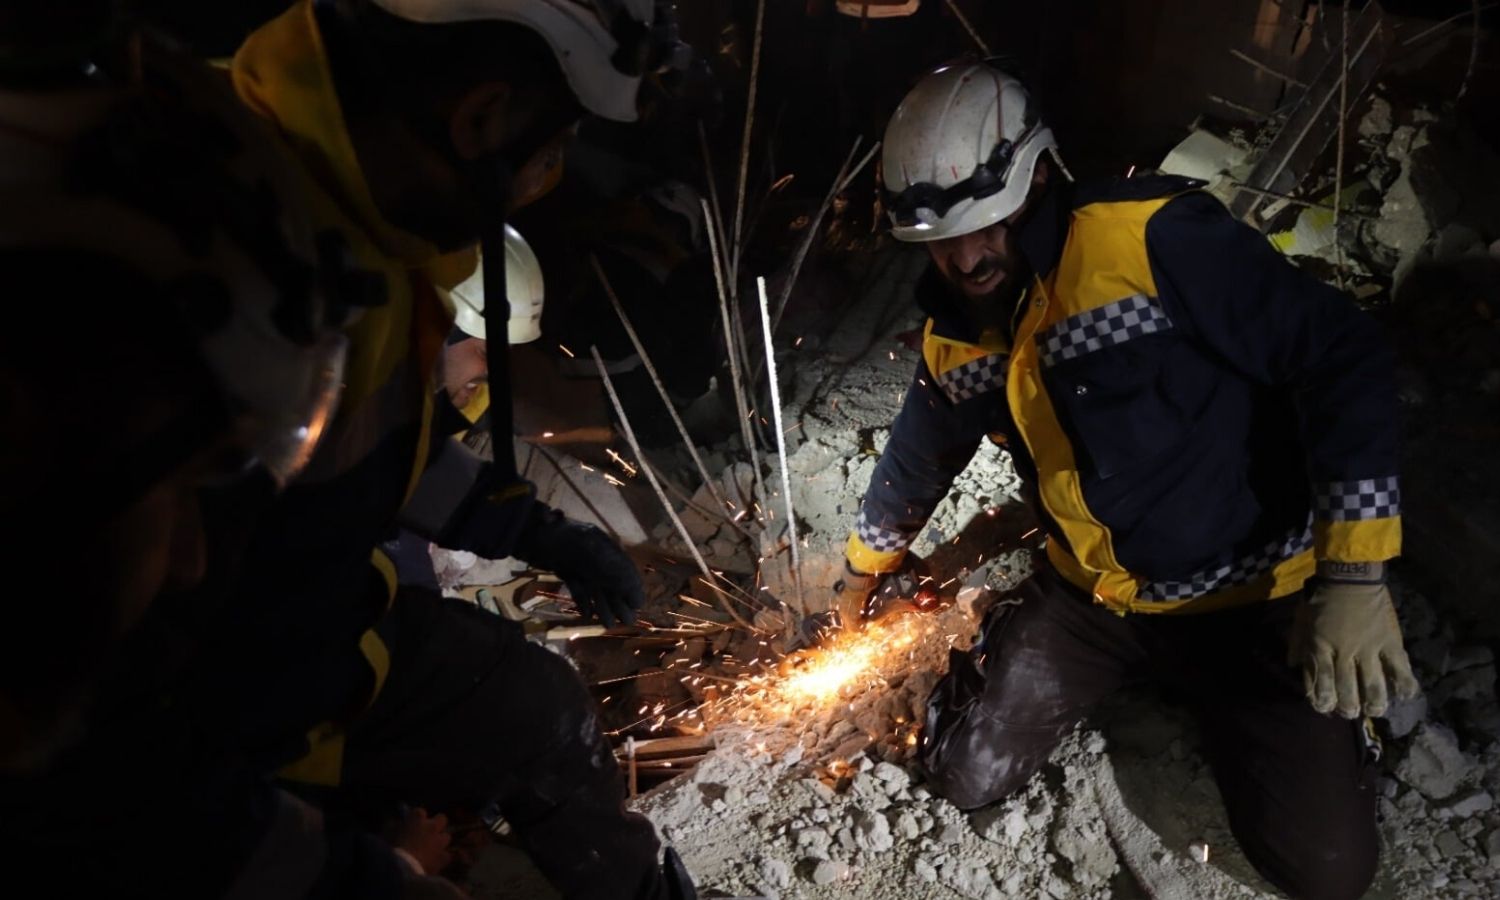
[1079, 837]
[1405, 715]
[819, 790]
[1450, 845]
[906, 826]
[1015, 827]
[813, 839]
[872, 832]
[870, 791]
[1202, 155]
[1434, 764]
[1377, 121]
[1492, 846]
[895, 777]
[1469, 804]
[924, 870]
[775, 872]
[827, 871]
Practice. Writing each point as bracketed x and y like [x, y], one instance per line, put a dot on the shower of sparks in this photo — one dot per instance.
[845, 664]
[621, 462]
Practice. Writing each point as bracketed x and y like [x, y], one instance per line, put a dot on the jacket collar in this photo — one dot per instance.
[282, 73]
[1046, 229]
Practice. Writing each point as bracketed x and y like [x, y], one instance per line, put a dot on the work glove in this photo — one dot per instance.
[852, 595]
[1348, 643]
[600, 576]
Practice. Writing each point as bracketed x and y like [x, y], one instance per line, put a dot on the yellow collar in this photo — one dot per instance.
[282, 73]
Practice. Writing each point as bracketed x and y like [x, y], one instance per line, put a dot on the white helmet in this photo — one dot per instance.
[602, 46]
[523, 288]
[960, 151]
[174, 179]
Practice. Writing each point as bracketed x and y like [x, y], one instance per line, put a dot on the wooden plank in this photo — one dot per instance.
[658, 748]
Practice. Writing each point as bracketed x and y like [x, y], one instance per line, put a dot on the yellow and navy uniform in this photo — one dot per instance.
[1197, 421]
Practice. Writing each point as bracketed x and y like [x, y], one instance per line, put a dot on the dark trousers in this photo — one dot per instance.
[472, 714]
[1298, 785]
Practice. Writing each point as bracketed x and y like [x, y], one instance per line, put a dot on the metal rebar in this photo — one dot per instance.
[786, 478]
[1257, 64]
[736, 378]
[635, 447]
[840, 182]
[964, 21]
[709, 483]
[1338, 156]
[739, 205]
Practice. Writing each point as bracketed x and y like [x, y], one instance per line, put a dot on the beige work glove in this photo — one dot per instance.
[1348, 643]
[851, 595]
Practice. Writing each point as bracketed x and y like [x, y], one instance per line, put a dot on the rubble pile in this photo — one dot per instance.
[809, 806]
[881, 835]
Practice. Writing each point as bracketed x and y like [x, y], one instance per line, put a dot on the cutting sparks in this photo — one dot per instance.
[845, 664]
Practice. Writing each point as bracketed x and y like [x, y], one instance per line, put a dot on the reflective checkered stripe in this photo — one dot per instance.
[1356, 501]
[881, 540]
[1247, 568]
[979, 376]
[1106, 326]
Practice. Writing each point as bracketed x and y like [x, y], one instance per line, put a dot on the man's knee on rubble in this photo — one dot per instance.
[993, 720]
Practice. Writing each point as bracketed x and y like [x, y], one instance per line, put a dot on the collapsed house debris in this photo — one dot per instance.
[776, 324]
[798, 779]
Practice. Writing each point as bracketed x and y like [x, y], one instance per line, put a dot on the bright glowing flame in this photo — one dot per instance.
[824, 675]
[845, 664]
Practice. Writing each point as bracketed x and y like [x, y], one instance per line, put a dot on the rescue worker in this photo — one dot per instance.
[463, 380]
[1209, 438]
[418, 121]
[204, 361]
[464, 369]
[303, 659]
[204, 379]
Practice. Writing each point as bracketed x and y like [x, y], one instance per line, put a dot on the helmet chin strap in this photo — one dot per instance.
[494, 177]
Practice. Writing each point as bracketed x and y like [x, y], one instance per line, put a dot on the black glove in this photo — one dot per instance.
[601, 578]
